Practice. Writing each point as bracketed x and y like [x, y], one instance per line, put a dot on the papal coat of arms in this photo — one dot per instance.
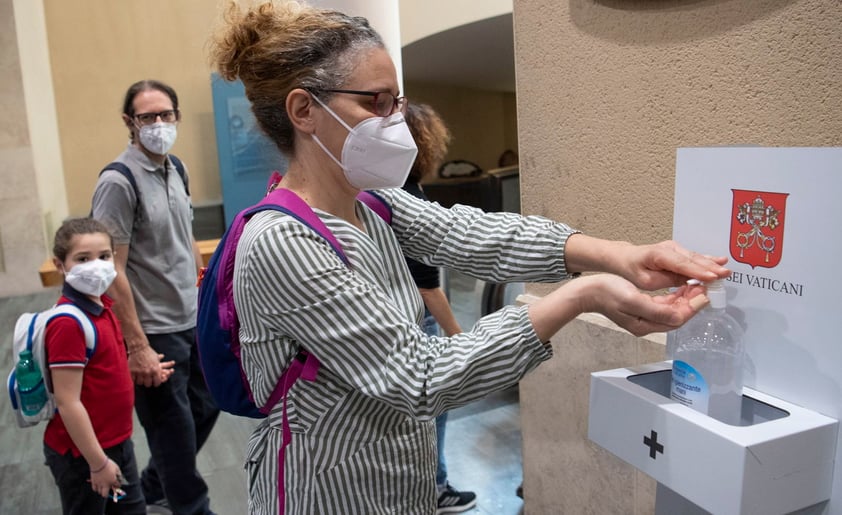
[757, 227]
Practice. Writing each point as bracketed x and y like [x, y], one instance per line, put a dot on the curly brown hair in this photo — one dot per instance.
[431, 136]
[275, 47]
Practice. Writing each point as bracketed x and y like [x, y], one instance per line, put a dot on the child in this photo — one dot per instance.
[87, 444]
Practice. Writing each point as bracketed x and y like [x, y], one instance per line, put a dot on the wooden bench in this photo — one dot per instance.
[51, 277]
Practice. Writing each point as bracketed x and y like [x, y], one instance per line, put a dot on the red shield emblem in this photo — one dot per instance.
[757, 227]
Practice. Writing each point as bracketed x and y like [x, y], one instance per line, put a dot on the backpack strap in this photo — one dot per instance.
[287, 201]
[279, 199]
[179, 167]
[82, 319]
[377, 204]
[36, 332]
[124, 170]
[304, 366]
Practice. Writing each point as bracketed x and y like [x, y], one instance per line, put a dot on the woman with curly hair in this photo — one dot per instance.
[361, 434]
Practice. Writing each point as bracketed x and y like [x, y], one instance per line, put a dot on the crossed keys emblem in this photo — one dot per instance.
[758, 216]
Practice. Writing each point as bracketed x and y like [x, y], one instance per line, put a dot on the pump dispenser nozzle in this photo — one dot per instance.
[716, 294]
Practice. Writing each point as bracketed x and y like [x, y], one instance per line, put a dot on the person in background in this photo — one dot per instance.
[361, 432]
[87, 444]
[155, 296]
[432, 139]
[507, 158]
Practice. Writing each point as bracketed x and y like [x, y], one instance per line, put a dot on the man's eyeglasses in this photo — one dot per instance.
[383, 103]
[168, 116]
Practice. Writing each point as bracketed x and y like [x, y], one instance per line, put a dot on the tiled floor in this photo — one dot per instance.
[483, 443]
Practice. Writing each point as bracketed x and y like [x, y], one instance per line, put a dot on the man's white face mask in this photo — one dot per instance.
[158, 138]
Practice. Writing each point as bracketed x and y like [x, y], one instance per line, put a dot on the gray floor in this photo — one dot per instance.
[483, 443]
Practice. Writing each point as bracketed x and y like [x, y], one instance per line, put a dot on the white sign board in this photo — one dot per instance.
[777, 214]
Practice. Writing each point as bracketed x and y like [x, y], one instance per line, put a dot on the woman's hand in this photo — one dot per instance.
[667, 264]
[619, 300]
[649, 267]
[640, 313]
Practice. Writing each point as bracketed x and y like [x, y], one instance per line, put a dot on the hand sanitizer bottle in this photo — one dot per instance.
[707, 369]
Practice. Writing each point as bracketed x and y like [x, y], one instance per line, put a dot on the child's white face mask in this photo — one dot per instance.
[92, 277]
[378, 152]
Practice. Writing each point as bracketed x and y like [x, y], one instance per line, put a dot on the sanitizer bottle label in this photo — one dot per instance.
[689, 387]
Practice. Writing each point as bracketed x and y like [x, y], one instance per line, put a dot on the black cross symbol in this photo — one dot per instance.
[651, 441]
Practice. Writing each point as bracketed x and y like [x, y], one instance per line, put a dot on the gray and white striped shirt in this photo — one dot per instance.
[363, 434]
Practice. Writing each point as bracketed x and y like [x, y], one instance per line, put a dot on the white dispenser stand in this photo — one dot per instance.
[780, 459]
[776, 213]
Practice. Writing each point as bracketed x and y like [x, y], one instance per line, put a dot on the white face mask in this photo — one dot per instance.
[159, 137]
[378, 152]
[92, 277]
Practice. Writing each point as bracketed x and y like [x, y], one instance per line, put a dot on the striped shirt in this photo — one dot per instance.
[363, 433]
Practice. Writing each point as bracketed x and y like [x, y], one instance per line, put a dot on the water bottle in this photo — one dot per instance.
[707, 370]
[31, 387]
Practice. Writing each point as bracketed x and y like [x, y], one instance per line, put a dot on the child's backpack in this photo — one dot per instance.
[217, 327]
[30, 333]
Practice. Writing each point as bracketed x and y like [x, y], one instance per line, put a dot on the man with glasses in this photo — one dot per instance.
[143, 198]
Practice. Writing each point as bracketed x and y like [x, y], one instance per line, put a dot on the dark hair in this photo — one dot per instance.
[507, 158]
[146, 85]
[74, 226]
[274, 49]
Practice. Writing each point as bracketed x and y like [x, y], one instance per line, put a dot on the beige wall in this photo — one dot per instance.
[609, 89]
[40, 104]
[97, 49]
[482, 123]
[606, 92]
[22, 238]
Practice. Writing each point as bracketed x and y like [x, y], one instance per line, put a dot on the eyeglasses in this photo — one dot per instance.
[168, 116]
[383, 102]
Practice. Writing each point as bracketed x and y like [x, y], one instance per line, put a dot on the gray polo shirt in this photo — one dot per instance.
[161, 267]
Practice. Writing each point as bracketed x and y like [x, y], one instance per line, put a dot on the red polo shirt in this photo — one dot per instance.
[107, 388]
